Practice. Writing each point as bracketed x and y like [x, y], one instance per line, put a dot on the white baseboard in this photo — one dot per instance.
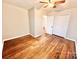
[70, 39]
[15, 37]
[36, 35]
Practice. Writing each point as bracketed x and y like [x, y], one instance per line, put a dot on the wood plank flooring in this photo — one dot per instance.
[43, 47]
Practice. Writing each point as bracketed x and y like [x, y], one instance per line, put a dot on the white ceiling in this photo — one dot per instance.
[27, 4]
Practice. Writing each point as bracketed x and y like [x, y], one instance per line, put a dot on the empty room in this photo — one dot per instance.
[39, 29]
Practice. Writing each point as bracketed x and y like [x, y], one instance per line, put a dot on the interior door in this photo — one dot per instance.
[61, 25]
[50, 21]
[48, 24]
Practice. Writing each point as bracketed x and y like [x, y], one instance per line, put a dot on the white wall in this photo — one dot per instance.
[15, 21]
[61, 25]
[36, 18]
[38, 22]
[72, 29]
[31, 21]
[72, 26]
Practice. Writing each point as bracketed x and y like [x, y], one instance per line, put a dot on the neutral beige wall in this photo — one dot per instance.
[15, 21]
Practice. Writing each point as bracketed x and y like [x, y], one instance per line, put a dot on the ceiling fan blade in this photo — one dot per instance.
[49, 1]
[54, 6]
[59, 2]
[45, 6]
[43, 2]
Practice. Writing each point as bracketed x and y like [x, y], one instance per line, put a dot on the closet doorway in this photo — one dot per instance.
[57, 25]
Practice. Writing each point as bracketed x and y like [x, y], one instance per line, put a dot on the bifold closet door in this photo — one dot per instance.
[61, 25]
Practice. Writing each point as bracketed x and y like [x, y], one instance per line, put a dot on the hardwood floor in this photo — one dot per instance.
[43, 47]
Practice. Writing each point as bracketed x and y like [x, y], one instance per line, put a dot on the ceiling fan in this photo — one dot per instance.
[52, 3]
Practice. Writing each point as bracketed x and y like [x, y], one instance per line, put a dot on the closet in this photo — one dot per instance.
[56, 24]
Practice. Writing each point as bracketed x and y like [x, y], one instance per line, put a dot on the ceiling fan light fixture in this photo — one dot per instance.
[50, 5]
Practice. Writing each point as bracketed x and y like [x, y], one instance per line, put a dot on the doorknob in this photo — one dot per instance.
[51, 26]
